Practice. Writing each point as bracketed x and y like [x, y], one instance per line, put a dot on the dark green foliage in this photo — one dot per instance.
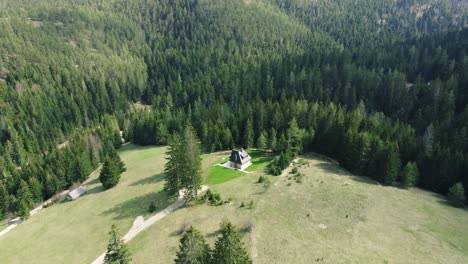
[193, 248]
[457, 194]
[229, 248]
[280, 163]
[117, 251]
[111, 170]
[173, 167]
[152, 207]
[366, 92]
[261, 179]
[184, 165]
[409, 175]
[212, 197]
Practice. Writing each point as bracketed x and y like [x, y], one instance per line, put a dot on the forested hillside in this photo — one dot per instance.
[375, 84]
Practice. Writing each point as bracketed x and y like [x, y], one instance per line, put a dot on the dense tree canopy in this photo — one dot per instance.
[376, 85]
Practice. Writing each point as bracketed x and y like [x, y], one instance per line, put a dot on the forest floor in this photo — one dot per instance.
[330, 214]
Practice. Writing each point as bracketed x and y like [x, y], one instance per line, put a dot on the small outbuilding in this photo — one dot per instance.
[76, 193]
[239, 159]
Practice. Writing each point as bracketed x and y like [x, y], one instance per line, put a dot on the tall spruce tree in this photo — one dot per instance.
[294, 139]
[193, 248]
[229, 248]
[249, 134]
[262, 141]
[110, 174]
[392, 164]
[25, 199]
[173, 168]
[117, 252]
[191, 164]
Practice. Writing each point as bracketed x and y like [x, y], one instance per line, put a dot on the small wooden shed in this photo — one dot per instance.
[76, 193]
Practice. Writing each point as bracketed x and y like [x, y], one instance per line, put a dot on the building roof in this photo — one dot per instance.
[239, 156]
[76, 193]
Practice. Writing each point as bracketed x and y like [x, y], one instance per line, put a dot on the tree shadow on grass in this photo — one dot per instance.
[95, 181]
[444, 201]
[335, 169]
[94, 190]
[139, 205]
[149, 180]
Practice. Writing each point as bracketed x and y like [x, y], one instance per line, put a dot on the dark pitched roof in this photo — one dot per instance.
[239, 156]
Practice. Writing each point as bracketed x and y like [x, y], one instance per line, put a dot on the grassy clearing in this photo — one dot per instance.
[331, 215]
[76, 232]
[218, 174]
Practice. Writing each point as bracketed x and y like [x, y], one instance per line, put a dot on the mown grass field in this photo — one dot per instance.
[77, 232]
[331, 215]
[217, 174]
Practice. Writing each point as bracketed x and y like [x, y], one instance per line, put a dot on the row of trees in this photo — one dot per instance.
[183, 168]
[228, 249]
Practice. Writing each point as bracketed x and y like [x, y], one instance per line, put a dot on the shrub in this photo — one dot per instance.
[294, 170]
[242, 205]
[152, 207]
[457, 194]
[261, 179]
[213, 198]
[251, 204]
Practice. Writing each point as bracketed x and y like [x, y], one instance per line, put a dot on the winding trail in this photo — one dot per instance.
[139, 226]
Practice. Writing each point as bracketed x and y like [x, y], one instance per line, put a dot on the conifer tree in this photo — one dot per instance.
[262, 141]
[25, 200]
[457, 194]
[229, 248]
[273, 140]
[117, 251]
[409, 175]
[392, 165]
[193, 248]
[248, 134]
[3, 200]
[294, 140]
[110, 174]
[173, 168]
[191, 164]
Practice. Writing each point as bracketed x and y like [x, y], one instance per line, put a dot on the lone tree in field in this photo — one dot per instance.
[193, 249]
[110, 175]
[457, 194]
[111, 169]
[117, 251]
[173, 168]
[191, 180]
[229, 248]
[184, 164]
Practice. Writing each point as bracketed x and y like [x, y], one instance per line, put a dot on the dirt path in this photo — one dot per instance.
[139, 226]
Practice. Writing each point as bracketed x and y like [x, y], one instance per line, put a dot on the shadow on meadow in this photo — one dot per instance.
[336, 169]
[139, 205]
[156, 178]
